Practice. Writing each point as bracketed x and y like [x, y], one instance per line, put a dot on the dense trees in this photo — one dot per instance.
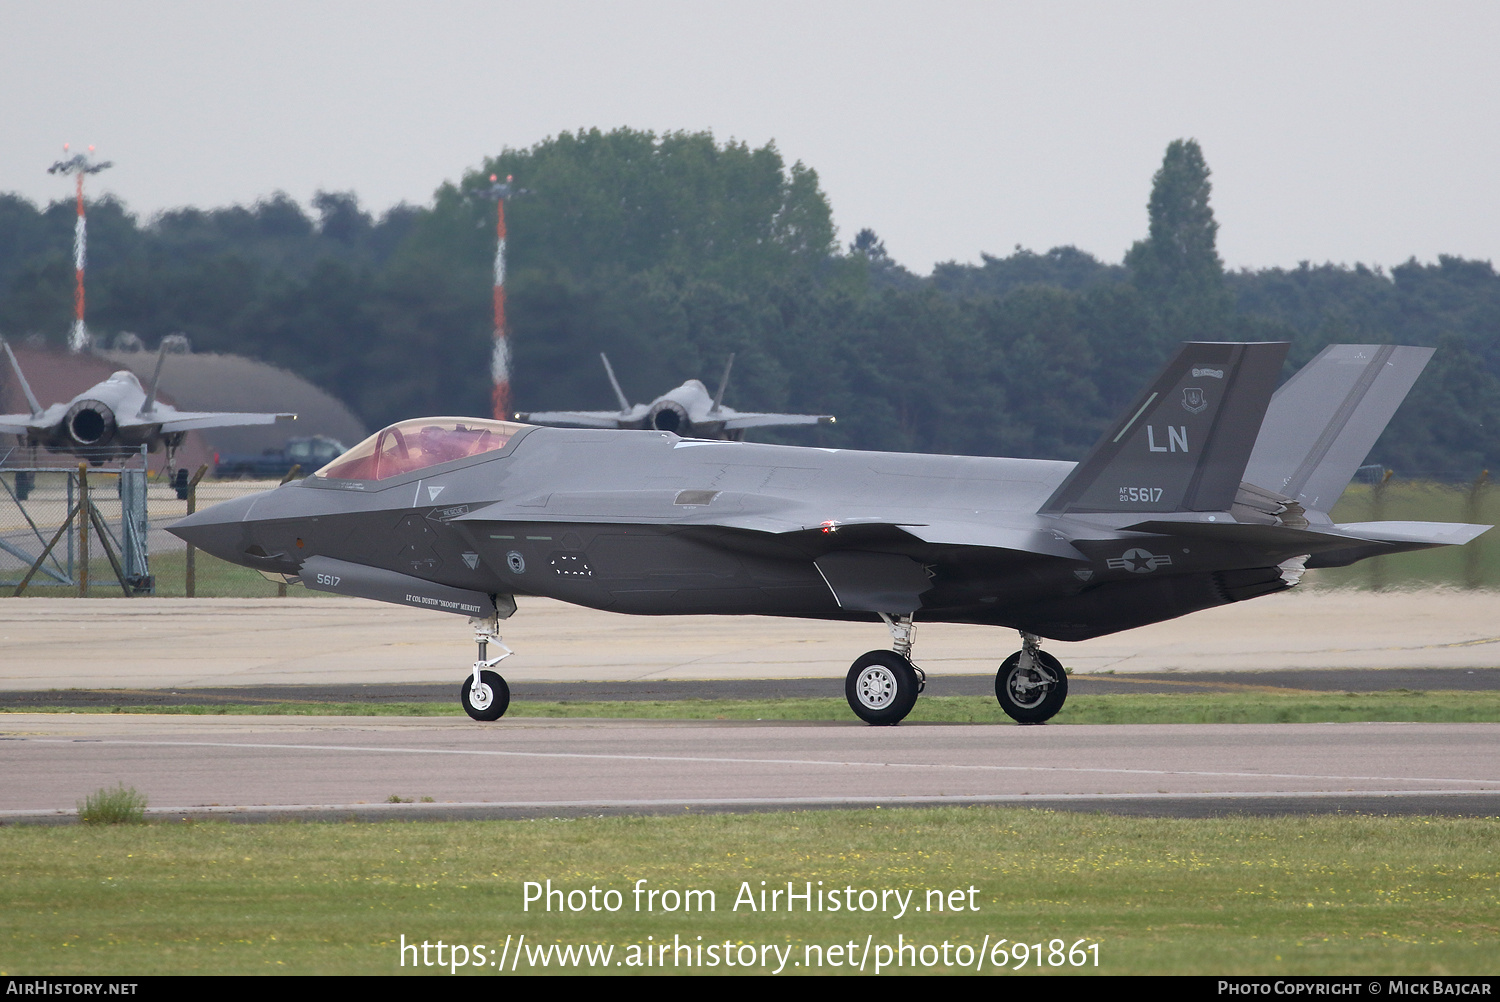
[670, 251]
[1177, 267]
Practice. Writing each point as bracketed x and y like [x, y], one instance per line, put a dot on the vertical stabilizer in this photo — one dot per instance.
[615, 384]
[1183, 444]
[723, 385]
[1324, 421]
[36, 408]
[150, 403]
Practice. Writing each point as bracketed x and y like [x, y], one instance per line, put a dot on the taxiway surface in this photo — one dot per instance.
[334, 767]
[322, 767]
[58, 643]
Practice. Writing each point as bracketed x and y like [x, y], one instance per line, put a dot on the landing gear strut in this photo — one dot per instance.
[1031, 684]
[882, 686]
[485, 695]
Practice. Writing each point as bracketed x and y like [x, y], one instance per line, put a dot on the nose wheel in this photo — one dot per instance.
[1031, 684]
[487, 700]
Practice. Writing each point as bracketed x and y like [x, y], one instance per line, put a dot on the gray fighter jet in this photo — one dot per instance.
[1207, 490]
[113, 419]
[687, 411]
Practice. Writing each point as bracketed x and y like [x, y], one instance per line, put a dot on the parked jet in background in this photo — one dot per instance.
[113, 419]
[1207, 490]
[687, 411]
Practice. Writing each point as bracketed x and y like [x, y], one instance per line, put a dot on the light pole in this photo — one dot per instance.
[78, 165]
[500, 191]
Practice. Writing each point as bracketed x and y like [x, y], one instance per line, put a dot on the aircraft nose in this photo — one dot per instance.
[220, 530]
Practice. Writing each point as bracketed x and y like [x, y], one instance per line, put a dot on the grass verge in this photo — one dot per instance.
[1167, 708]
[1306, 895]
[120, 806]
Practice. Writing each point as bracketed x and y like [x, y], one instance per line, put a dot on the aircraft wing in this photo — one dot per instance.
[193, 421]
[17, 424]
[742, 420]
[773, 515]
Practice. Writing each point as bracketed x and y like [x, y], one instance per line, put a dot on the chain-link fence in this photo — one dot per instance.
[101, 532]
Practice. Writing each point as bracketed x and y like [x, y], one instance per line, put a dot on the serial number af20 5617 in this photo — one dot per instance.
[331, 580]
[1147, 495]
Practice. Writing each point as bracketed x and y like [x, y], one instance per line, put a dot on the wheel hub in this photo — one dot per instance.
[1029, 688]
[481, 696]
[876, 687]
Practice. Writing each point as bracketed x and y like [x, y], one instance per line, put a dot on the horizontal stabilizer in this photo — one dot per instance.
[1183, 444]
[1423, 534]
[1372, 539]
[1322, 424]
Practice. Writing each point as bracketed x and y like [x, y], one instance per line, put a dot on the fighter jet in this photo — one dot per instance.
[687, 411]
[113, 419]
[1207, 490]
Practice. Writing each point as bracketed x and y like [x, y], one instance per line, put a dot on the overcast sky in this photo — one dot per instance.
[1343, 132]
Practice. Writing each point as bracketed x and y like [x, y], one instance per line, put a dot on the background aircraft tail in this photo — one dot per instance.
[1324, 421]
[31, 401]
[1183, 444]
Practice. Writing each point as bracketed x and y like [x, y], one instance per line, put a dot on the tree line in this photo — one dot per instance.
[670, 251]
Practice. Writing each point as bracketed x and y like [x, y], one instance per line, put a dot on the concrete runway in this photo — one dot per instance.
[333, 767]
[59, 643]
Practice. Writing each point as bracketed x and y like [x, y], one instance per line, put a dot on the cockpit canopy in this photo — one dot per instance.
[408, 446]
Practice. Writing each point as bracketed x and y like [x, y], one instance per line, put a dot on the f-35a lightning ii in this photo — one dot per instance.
[113, 419]
[1207, 490]
[687, 411]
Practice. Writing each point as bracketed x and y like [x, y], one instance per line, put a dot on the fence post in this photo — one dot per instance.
[1473, 566]
[192, 506]
[69, 479]
[1377, 514]
[83, 530]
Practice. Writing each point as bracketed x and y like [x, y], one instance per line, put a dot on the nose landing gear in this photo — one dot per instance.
[484, 694]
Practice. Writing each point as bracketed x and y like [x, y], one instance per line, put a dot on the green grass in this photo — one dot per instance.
[1310, 895]
[120, 806]
[1131, 708]
[214, 578]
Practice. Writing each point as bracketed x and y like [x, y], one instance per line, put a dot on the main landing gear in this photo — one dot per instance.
[882, 686]
[1031, 684]
[485, 695]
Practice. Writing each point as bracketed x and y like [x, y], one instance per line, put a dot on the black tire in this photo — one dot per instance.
[1036, 698]
[881, 687]
[493, 687]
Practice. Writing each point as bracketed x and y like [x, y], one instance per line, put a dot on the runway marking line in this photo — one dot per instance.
[601, 756]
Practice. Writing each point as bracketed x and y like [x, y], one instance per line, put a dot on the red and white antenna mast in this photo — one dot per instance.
[500, 351]
[78, 165]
